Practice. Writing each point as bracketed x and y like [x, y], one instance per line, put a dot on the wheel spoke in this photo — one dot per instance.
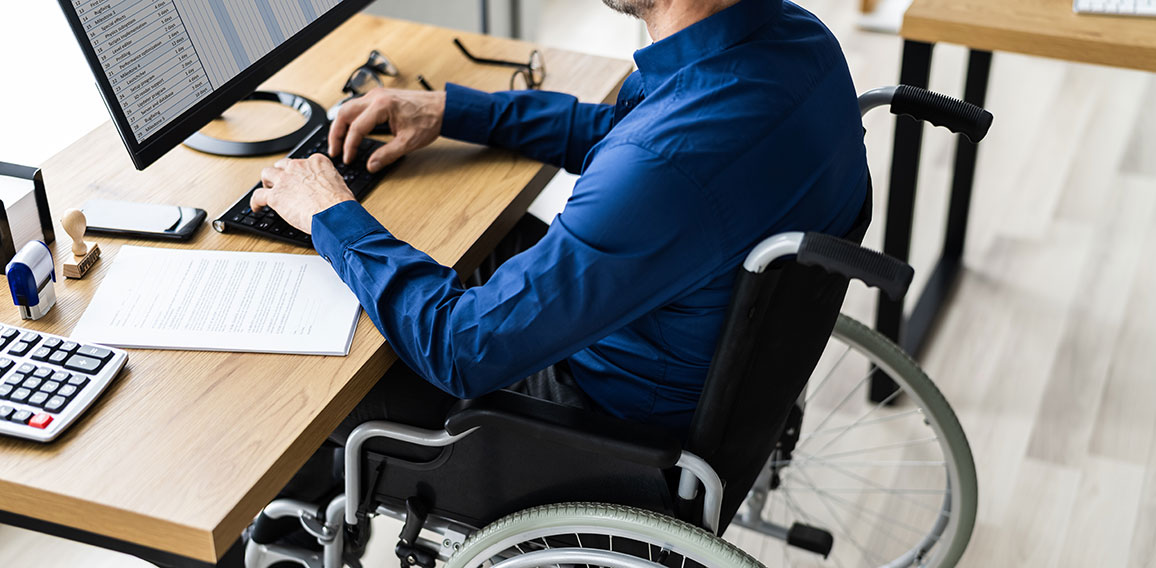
[860, 423]
[846, 398]
[843, 528]
[830, 373]
[877, 485]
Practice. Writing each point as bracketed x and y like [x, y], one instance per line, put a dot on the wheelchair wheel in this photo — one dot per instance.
[891, 483]
[593, 534]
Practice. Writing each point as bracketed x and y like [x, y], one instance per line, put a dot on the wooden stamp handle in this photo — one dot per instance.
[75, 224]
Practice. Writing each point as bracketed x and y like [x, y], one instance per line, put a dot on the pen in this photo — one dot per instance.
[425, 84]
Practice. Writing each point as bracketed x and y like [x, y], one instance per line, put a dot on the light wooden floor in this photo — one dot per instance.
[1048, 353]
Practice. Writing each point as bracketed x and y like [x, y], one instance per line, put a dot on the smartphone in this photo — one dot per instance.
[142, 220]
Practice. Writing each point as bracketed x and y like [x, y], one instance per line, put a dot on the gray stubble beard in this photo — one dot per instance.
[635, 8]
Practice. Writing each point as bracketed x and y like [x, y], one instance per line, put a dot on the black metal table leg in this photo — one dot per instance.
[913, 333]
[915, 70]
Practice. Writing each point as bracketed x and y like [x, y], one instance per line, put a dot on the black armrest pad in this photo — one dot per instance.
[580, 429]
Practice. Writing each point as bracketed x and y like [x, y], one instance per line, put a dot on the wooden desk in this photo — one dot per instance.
[1045, 28]
[185, 448]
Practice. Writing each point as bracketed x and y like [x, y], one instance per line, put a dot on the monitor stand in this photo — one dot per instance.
[314, 116]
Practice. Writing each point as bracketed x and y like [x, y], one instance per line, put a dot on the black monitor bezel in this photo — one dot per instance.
[202, 112]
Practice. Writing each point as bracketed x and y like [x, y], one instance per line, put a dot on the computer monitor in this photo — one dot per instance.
[165, 68]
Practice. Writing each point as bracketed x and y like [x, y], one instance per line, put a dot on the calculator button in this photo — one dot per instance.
[41, 353]
[20, 395]
[42, 372]
[58, 357]
[61, 376]
[55, 403]
[6, 411]
[6, 390]
[94, 352]
[51, 342]
[77, 380]
[20, 348]
[69, 346]
[67, 390]
[49, 386]
[248, 221]
[9, 333]
[14, 379]
[30, 337]
[5, 364]
[83, 364]
[32, 383]
[21, 416]
[38, 398]
[41, 421]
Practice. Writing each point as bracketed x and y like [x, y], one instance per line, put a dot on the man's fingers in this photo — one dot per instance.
[350, 110]
[388, 154]
[270, 176]
[259, 199]
[358, 129]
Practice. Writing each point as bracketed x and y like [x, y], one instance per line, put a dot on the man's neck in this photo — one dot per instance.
[668, 17]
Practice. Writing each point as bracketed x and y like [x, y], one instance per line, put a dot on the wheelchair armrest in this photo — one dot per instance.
[573, 427]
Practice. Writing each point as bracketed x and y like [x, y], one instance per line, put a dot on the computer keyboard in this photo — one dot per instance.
[1146, 8]
[266, 223]
[48, 381]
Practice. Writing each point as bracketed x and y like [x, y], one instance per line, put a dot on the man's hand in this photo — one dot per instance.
[415, 117]
[299, 189]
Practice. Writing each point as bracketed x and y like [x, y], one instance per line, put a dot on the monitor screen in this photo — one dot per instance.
[167, 67]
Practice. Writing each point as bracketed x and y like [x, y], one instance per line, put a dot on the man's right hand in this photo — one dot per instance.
[415, 117]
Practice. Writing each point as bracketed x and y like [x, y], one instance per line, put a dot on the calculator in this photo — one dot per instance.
[47, 382]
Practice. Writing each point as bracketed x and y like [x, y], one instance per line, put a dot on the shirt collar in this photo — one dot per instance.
[661, 59]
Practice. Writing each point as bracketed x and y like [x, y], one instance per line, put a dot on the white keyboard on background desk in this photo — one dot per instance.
[1146, 8]
[48, 381]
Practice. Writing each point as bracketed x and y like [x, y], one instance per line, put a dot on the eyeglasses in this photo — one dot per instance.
[526, 75]
[368, 76]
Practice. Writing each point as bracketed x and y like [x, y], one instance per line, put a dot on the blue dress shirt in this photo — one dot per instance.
[738, 127]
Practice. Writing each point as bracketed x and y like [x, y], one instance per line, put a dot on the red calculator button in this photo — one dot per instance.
[41, 420]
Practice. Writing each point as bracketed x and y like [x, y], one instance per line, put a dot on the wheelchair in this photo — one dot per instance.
[784, 442]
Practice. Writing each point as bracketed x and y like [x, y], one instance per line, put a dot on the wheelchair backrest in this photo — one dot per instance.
[777, 327]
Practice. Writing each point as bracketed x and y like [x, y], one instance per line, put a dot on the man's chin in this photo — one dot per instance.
[635, 8]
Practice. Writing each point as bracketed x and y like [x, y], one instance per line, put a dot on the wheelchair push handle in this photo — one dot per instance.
[848, 259]
[940, 110]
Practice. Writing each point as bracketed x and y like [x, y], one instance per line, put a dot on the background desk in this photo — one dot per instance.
[1046, 28]
[185, 448]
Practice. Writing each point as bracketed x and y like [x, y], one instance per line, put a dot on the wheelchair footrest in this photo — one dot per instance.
[810, 538]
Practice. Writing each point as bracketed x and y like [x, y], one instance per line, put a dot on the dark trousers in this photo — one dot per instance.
[403, 396]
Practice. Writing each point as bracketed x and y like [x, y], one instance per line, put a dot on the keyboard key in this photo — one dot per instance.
[41, 353]
[6, 389]
[42, 372]
[95, 352]
[41, 421]
[38, 398]
[248, 221]
[20, 348]
[21, 416]
[49, 386]
[32, 383]
[69, 346]
[20, 395]
[55, 404]
[58, 357]
[83, 364]
[67, 390]
[6, 411]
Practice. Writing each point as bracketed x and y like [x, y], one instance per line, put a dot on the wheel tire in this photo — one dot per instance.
[915, 383]
[596, 518]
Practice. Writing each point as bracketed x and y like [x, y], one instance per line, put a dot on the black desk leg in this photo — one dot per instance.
[915, 70]
[913, 334]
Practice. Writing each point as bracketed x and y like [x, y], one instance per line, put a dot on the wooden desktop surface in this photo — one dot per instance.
[1046, 28]
[186, 447]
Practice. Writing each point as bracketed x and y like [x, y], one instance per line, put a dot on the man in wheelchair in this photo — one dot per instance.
[740, 123]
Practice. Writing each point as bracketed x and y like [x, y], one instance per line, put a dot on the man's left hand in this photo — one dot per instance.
[299, 189]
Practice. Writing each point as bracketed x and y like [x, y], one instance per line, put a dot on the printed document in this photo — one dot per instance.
[221, 301]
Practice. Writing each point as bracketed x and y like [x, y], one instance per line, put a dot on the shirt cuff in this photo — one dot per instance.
[468, 114]
[340, 226]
